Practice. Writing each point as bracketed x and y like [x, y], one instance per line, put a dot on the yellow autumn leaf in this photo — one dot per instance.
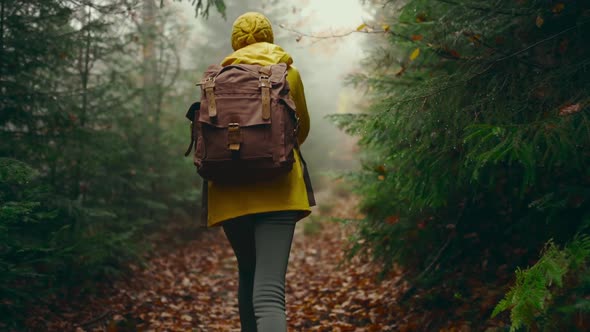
[415, 54]
[385, 27]
[539, 21]
[361, 27]
[475, 38]
[558, 8]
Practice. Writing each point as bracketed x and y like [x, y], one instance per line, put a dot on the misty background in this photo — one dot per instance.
[323, 63]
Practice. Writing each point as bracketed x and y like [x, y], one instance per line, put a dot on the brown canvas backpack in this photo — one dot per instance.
[245, 127]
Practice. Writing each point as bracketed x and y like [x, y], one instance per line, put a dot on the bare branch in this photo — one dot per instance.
[344, 34]
[331, 36]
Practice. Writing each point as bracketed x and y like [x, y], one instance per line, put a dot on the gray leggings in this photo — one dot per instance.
[262, 243]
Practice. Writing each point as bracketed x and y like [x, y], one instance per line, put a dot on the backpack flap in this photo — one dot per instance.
[251, 128]
[239, 117]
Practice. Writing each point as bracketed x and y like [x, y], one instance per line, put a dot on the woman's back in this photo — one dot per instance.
[289, 192]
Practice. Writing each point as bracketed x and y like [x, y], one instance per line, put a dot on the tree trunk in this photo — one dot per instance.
[1, 43]
[84, 77]
[149, 57]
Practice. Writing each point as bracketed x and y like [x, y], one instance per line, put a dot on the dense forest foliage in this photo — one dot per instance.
[476, 153]
[90, 150]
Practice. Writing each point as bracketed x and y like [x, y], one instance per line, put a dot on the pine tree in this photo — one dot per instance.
[81, 188]
[477, 139]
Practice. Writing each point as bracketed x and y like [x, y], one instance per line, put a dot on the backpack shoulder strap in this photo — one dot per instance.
[278, 72]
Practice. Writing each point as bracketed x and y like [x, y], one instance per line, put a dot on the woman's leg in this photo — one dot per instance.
[240, 233]
[274, 234]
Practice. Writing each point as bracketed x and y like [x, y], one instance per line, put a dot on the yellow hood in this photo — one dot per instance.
[261, 53]
[252, 40]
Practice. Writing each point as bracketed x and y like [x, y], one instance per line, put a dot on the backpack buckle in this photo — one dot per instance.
[234, 136]
[264, 81]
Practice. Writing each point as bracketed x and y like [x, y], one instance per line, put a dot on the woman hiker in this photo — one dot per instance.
[259, 220]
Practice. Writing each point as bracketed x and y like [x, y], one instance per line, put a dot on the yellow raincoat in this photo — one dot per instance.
[252, 39]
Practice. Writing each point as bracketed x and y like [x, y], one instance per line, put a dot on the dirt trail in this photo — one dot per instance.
[194, 289]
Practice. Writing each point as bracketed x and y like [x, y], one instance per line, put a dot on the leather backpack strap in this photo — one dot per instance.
[193, 115]
[265, 85]
[204, 204]
[190, 147]
[307, 179]
[209, 87]
[279, 72]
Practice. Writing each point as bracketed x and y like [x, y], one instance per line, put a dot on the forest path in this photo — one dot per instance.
[194, 288]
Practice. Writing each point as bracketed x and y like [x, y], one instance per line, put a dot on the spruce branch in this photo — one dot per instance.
[486, 9]
[490, 65]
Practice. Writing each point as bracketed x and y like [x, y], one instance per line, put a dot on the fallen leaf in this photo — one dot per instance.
[415, 54]
[569, 109]
[392, 220]
[558, 8]
[539, 21]
[454, 54]
[563, 46]
[475, 38]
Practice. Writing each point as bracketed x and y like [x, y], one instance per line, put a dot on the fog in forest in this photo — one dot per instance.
[323, 63]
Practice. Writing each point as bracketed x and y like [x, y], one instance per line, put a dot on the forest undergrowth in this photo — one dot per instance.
[192, 287]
